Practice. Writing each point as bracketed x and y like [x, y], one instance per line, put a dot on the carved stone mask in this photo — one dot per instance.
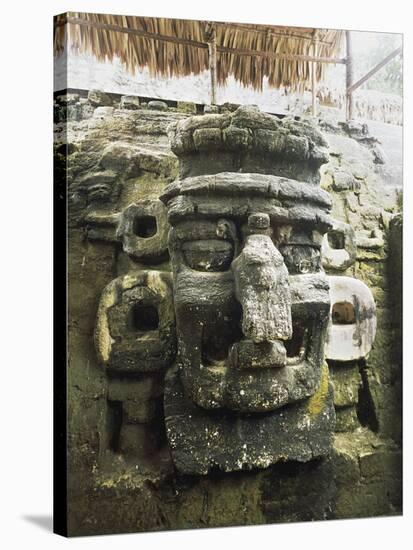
[251, 298]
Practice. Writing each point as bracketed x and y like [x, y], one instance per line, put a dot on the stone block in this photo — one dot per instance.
[343, 181]
[186, 107]
[346, 382]
[339, 250]
[74, 112]
[87, 110]
[118, 157]
[207, 138]
[370, 239]
[379, 463]
[346, 419]
[129, 102]
[228, 107]
[211, 109]
[67, 99]
[157, 105]
[103, 112]
[236, 138]
[99, 99]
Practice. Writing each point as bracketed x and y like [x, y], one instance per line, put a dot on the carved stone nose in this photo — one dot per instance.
[262, 287]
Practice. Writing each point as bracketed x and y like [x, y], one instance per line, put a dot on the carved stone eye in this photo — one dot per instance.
[301, 259]
[208, 255]
[145, 226]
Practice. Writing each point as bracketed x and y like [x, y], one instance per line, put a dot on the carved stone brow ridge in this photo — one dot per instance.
[230, 183]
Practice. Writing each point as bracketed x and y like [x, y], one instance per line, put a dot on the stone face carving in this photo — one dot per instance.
[352, 326]
[135, 328]
[251, 300]
[241, 322]
[143, 230]
[96, 189]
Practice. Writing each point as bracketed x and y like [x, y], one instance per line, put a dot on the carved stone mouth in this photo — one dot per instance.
[297, 346]
[247, 355]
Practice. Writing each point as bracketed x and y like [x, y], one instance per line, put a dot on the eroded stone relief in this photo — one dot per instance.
[238, 322]
[122, 471]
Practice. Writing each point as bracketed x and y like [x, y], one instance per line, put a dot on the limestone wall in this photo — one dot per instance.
[121, 477]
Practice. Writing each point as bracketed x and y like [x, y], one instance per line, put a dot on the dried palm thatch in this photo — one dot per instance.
[176, 47]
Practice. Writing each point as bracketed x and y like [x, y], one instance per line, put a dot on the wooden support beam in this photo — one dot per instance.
[269, 31]
[197, 44]
[313, 90]
[212, 51]
[375, 69]
[272, 55]
[349, 77]
[136, 32]
[313, 78]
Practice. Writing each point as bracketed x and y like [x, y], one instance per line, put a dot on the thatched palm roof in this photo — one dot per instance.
[176, 47]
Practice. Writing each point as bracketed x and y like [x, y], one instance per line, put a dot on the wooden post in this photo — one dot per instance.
[212, 51]
[313, 84]
[349, 78]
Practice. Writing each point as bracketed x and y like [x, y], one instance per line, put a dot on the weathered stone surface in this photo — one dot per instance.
[370, 239]
[99, 99]
[129, 102]
[119, 157]
[135, 326]
[352, 328]
[343, 181]
[137, 440]
[211, 109]
[359, 494]
[103, 112]
[228, 107]
[346, 419]
[201, 441]
[96, 187]
[287, 202]
[157, 105]
[269, 145]
[186, 107]
[143, 230]
[67, 99]
[261, 286]
[87, 110]
[339, 249]
[346, 382]
[251, 300]
[122, 478]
